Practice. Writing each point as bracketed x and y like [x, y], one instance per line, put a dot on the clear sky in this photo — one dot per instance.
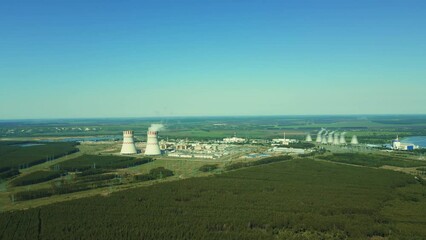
[82, 58]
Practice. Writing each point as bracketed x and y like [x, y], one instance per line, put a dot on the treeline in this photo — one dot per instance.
[208, 167]
[8, 172]
[304, 145]
[14, 156]
[372, 160]
[155, 173]
[258, 162]
[35, 177]
[65, 187]
[86, 162]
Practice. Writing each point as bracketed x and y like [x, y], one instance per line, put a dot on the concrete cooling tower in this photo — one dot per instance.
[354, 140]
[342, 138]
[319, 140]
[152, 147]
[309, 138]
[330, 137]
[336, 139]
[128, 143]
[324, 139]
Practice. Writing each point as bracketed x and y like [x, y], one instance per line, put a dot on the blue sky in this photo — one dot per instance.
[61, 59]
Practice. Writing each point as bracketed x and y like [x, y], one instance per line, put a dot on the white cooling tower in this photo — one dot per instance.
[336, 139]
[354, 140]
[128, 143]
[330, 137]
[342, 138]
[319, 140]
[324, 139]
[309, 138]
[152, 147]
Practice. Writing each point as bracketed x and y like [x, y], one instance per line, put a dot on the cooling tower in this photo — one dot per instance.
[330, 137]
[354, 140]
[309, 138]
[336, 139]
[342, 138]
[319, 140]
[128, 143]
[319, 136]
[152, 147]
[324, 139]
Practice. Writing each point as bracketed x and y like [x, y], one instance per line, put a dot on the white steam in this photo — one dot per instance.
[155, 127]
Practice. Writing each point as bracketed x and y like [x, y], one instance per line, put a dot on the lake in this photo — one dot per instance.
[417, 140]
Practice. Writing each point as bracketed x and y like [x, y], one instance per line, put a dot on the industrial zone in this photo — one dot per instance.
[242, 147]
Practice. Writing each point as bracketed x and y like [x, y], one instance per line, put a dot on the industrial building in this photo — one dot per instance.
[398, 145]
[234, 139]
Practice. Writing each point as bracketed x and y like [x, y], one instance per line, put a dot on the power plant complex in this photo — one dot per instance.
[152, 147]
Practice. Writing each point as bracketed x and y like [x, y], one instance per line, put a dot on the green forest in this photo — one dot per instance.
[292, 199]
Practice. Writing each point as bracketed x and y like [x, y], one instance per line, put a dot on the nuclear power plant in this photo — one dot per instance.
[128, 146]
[308, 138]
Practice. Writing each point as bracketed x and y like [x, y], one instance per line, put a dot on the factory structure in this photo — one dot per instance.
[283, 141]
[398, 145]
[234, 139]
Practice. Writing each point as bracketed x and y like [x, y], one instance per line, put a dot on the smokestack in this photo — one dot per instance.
[330, 137]
[308, 138]
[128, 146]
[336, 139]
[354, 140]
[342, 138]
[152, 147]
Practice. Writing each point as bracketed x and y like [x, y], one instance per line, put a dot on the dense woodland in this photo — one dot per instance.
[293, 199]
[372, 160]
[14, 157]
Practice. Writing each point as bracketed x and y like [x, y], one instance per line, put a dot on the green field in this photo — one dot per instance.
[297, 199]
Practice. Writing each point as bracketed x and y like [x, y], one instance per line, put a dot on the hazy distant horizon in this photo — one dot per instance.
[92, 59]
[210, 116]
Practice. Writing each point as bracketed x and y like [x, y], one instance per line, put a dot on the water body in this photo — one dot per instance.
[417, 140]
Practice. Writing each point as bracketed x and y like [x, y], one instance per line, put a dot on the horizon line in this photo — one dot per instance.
[212, 116]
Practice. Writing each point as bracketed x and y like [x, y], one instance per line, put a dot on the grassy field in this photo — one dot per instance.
[297, 199]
